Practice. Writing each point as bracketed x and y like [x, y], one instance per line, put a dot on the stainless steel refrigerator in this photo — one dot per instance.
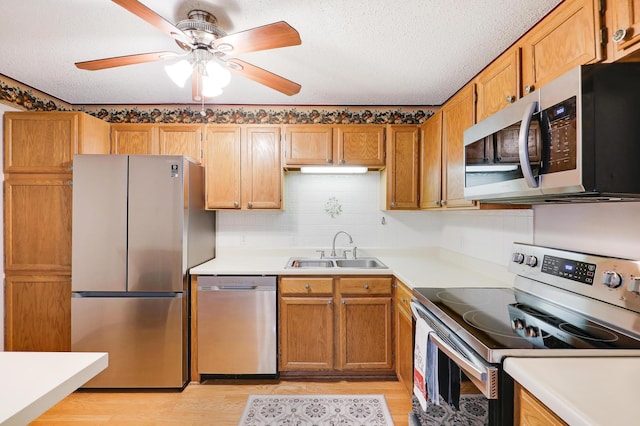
[139, 224]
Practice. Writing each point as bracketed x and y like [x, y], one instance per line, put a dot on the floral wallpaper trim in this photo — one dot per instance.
[12, 92]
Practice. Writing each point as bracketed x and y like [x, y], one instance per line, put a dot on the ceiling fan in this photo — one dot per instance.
[207, 49]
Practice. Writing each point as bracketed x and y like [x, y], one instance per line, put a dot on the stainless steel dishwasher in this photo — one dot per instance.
[237, 325]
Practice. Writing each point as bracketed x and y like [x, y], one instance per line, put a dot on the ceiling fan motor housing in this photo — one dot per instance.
[202, 27]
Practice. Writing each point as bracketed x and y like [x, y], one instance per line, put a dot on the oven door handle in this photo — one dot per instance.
[523, 145]
[484, 376]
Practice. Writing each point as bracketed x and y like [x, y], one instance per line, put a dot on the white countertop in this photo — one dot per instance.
[32, 382]
[420, 267]
[583, 391]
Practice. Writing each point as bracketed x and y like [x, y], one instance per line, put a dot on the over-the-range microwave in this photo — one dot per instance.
[576, 139]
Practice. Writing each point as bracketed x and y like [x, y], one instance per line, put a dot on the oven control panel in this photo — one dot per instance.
[608, 279]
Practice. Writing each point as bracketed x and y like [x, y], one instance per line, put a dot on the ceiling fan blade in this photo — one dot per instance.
[154, 19]
[271, 36]
[262, 76]
[119, 61]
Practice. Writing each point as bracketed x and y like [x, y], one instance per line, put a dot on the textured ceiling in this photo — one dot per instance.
[356, 52]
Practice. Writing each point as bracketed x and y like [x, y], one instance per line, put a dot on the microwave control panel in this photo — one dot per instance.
[562, 136]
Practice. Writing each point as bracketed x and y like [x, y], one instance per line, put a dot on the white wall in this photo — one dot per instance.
[612, 229]
[3, 108]
[487, 235]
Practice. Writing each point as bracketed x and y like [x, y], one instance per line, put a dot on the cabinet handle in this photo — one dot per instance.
[307, 286]
[619, 35]
[366, 286]
[344, 302]
[510, 99]
[443, 202]
[393, 204]
[528, 89]
[236, 204]
[330, 302]
[250, 204]
[436, 203]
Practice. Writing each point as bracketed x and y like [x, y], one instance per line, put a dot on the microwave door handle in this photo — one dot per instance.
[523, 145]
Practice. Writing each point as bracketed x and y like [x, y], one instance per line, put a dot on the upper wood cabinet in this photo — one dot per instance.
[360, 145]
[243, 167]
[399, 181]
[181, 139]
[134, 138]
[308, 145]
[566, 38]
[431, 162]
[498, 85]
[45, 142]
[457, 116]
[623, 23]
[342, 145]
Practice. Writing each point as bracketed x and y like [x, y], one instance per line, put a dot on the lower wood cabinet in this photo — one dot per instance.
[335, 324]
[529, 411]
[404, 335]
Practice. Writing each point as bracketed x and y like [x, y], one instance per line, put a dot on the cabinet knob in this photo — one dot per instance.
[366, 286]
[70, 182]
[344, 302]
[250, 205]
[404, 300]
[236, 204]
[342, 161]
[510, 99]
[329, 302]
[436, 203]
[619, 35]
[393, 204]
[307, 286]
[528, 89]
[329, 161]
[443, 202]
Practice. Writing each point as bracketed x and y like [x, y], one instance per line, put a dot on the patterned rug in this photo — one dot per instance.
[474, 411]
[316, 410]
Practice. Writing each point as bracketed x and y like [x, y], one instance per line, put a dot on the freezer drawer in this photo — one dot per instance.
[237, 325]
[144, 336]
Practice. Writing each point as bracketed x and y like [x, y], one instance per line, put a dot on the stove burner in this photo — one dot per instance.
[480, 320]
[581, 332]
[448, 297]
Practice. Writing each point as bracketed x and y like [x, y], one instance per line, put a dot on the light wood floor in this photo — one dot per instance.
[211, 403]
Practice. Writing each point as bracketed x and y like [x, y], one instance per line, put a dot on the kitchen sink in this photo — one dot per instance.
[361, 263]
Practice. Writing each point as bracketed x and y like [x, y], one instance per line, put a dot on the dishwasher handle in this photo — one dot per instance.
[235, 288]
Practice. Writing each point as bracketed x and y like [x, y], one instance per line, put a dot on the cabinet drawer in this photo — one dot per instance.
[403, 295]
[364, 285]
[306, 286]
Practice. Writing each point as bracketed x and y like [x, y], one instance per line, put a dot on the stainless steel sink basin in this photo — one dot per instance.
[365, 262]
[361, 263]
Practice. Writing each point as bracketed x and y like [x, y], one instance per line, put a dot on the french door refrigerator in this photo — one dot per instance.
[139, 224]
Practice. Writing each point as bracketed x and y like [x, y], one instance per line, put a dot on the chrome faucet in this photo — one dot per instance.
[333, 247]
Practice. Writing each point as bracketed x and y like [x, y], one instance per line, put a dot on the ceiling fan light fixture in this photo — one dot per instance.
[179, 72]
[210, 88]
[217, 75]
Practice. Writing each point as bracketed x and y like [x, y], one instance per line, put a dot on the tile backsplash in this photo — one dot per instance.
[318, 206]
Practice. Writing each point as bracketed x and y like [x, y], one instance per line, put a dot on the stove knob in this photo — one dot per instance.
[517, 324]
[517, 258]
[611, 279]
[531, 332]
[531, 261]
[634, 285]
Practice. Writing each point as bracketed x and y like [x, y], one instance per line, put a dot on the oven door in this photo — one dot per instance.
[482, 374]
[503, 153]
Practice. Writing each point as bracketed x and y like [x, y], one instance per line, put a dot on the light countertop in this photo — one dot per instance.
[420, 267]
[32, 382]
[583, 391]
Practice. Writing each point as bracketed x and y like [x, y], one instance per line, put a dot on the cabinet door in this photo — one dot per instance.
[531, 412]
[222, 167]
[365, 339]
[308, 145]
[361, 145]
[181, 140]
[565, 39]
[306, 333]
[134, 139]
[457, 116]
[431, 162]
[40, 142]
[625, 28]
[37, 214]
[262, 171]
[402, 173]
[404, 336]
[498, 85]
[38, 313]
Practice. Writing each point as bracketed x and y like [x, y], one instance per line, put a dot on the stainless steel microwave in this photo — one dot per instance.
[575, 139]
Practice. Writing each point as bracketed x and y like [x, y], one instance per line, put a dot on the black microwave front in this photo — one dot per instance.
[572, 139]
